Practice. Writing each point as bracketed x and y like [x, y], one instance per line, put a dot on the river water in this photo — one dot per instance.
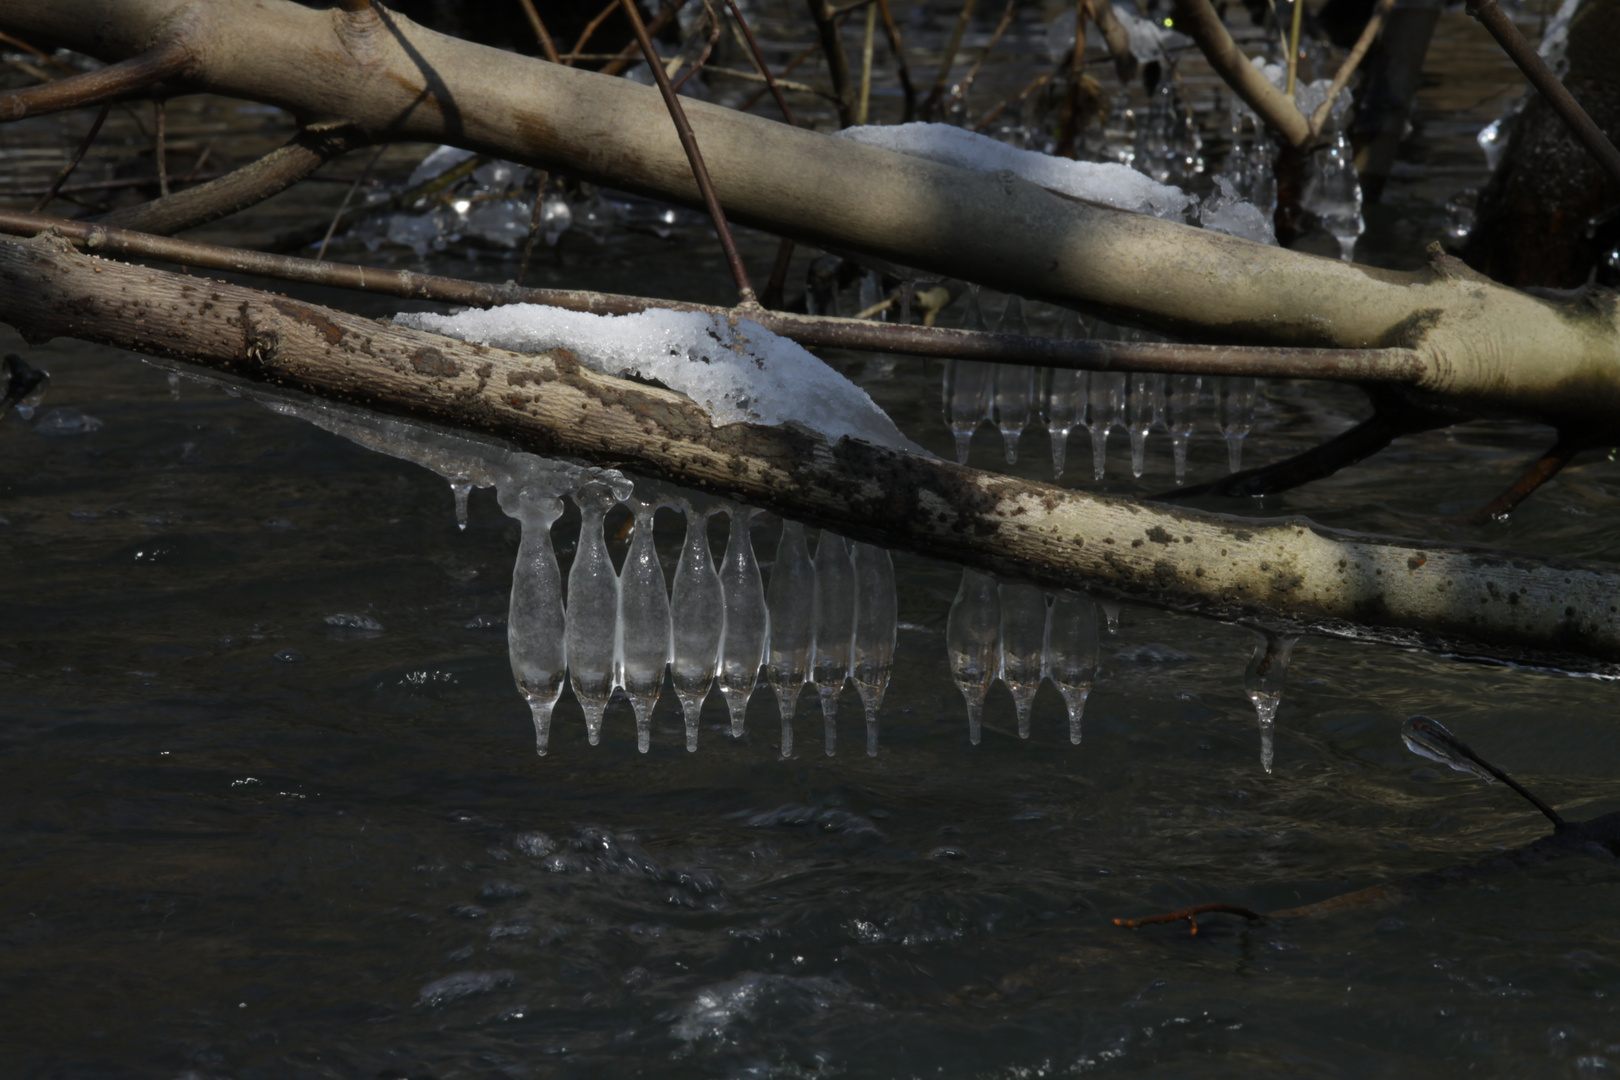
[240, 841]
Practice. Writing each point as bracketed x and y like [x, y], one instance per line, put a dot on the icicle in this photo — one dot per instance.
[1110, 615]
[971, 634]
[1146, 405]
[1022, 642]
[1071, 653]
[876, 614]
[1156, 135]
[1015, 384]
[1263, 681]
[968, 388]
[1065, 396]
[835, 625]
[643, 632]
[1106, 408]
[1183, 413]
[1333, 194]
[535, 638]
[460, 488]
[747, 622]
[1234, 403]
[791, 600]
[697, 622]
[593, 609]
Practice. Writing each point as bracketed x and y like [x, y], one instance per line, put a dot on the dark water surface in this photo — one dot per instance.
[236, 841]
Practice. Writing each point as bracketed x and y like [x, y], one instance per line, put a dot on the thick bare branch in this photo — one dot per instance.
[250, 185]
[1198, 20]
[1474, 602]
[164, 61]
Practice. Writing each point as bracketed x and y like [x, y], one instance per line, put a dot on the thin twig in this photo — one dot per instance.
[700, 171]
[591, 27]
[708, 46]
[832, 50]
[891, 30]
[1069, 124]
[1191, 915]
[930, 105]
[772, 297]
[1436, 733]
[1001, 28]
[73, 162]
[862, 105]
[138, 72]
[1017, 99]
[43, 57]
[759, 63]
[541, 177]
[805, 54]
[1391, 365]
[1293, 47]
[365, 175]
[1542, 78]
[1537, 473]
[629, 54]
[1117, 37]
[547, 46]
[160, 145]
[1341, 78]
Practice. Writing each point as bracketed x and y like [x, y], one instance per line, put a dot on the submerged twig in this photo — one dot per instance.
[694, 156]
[1538, 472]
[73, 162]
[1191, 915]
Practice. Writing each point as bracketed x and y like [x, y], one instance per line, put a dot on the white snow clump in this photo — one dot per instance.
[738, 374]
[1108, 183]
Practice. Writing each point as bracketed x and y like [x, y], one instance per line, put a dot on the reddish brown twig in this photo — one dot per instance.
[73, 162]
[547, 47]
[1341, 78]
[628, 54]
[930, 106]
[1522, 53]
[700, 171]
[1537, 473]
[1001, 28]
[1017, 99]
[138, 72]
[1069, 121]
[807, 53]
[1191, 915]
[832, 50]
[891, 30]
[592, 26]
[760, 64]
[541, 177]
[708, 46]
[160, 145]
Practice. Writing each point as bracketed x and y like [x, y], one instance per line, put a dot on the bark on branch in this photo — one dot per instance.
[1473, 602]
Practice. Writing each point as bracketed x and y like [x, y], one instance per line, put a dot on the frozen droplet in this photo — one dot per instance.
[460, 488]
[643, 632]
[1065, 409]
[1234, 404]
[835, 626]
[536, 635]
[1022, 645]
[1071, 653]
[971, 633]
[1492, 140]
[1105, 412]
[593, 609]
[876, 616]
[1015, 383]
[1110, 615]
[791, 600]
[1184, 391]
[1263, 681]
[969, 385]
[1429, 738]
[1333, 194]
[697, 622]
[748, 620]
[1146, 406]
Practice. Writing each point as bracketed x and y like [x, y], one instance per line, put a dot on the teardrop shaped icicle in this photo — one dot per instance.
[1022, 645]
[697, 622]
[748, 620]
[971, 634]
[644, 630]
[1263, 681]
[593, 609]
[792, 604]
[876, 616]
[835, 626]
[1071, 653]
[535, 637]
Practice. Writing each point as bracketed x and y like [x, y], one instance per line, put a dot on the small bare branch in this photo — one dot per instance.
[931, 104]
[1198, 20]
[73, 162]
[548, 48]
[1341, 78]
[891, 30]
[138, 72]
[1537, 473]
[1117, 37]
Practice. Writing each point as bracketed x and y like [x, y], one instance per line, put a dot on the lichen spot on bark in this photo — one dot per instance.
[430, 361]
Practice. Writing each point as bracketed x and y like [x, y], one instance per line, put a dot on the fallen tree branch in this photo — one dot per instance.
[165, 60]
[1470, 602]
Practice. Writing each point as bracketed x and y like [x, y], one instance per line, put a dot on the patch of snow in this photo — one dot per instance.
[1107, 183]
[738, 373]
[1227, 212]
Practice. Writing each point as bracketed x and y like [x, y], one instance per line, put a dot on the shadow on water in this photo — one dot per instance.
[272, 805]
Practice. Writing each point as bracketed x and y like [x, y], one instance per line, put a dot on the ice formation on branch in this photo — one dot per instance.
[738, 371]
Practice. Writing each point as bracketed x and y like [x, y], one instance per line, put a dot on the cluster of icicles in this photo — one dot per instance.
[1013, 397]
[826, 619]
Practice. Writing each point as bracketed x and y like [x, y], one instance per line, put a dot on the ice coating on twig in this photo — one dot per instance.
[876, 616]
[791, 600]
[747, 622]
[1102, 182]
[643, 638]
[735, 369]
[534, 622]
[697, 621]
[1263, 681]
